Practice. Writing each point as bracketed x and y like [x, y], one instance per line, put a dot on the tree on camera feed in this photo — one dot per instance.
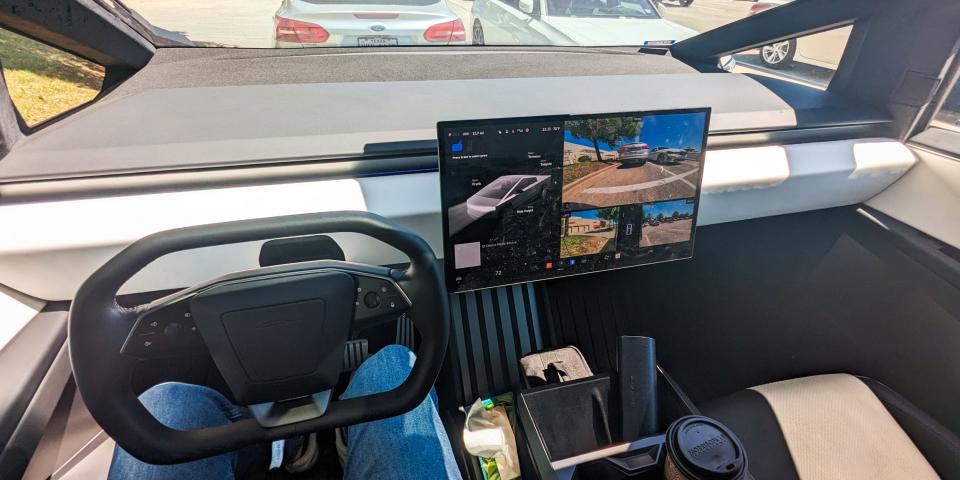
[607, 130]
[608, 214]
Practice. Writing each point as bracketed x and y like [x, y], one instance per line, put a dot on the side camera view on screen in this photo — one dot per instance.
[534, 198]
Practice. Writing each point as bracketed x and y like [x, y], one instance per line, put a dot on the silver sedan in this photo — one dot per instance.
[366, 23]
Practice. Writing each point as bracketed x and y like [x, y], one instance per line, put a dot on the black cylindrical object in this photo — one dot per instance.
[638, 387]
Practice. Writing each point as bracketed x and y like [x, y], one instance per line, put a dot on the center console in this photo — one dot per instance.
[636, 424]
[536, 198]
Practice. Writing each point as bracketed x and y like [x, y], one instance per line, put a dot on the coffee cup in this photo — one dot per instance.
[701, 448]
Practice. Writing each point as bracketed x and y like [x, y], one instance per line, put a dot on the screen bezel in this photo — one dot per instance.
[442, 144]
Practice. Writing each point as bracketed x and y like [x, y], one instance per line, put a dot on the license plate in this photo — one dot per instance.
[377, 42]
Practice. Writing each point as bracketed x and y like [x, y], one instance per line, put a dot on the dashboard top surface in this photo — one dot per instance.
[204, 120]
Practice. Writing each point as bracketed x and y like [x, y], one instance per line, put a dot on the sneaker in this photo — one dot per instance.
[305, 457]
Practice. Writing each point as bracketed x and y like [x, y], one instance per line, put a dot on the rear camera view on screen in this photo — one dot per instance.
[533, 198]
[625, 160]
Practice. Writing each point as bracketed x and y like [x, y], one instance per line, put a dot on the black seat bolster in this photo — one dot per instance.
[749, 415]
[940, 446]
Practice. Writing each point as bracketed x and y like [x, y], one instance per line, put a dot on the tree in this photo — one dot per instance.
[659, 217]
[607, 130]
[676, 215]
[608, 214]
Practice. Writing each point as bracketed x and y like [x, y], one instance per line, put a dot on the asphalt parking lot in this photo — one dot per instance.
[667, 232]
[249, 23]
[623, 185]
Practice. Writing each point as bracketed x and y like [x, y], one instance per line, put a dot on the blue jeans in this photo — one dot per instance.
[408, 446]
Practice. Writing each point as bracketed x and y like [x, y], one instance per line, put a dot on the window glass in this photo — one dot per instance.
[949, 115]
[810, 60]
[399, 23]
[43, 81]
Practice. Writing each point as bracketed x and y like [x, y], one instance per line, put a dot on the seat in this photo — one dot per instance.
[836, 426]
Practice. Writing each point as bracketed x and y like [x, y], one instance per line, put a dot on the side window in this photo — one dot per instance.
[44, 81]
[811, 59]
[949, 115]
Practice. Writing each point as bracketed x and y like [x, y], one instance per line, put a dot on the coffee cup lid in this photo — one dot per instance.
[705, 449]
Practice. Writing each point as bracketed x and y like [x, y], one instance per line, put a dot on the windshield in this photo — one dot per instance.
[499, 188]
[599, 8]
[437, 23]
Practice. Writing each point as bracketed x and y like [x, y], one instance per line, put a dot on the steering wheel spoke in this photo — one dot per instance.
[378, 297]
[167, 330]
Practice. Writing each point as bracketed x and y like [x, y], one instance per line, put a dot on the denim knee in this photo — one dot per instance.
[183, 406]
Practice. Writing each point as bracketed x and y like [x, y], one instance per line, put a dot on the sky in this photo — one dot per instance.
[588, 214]
[667, 208]
[683, 130]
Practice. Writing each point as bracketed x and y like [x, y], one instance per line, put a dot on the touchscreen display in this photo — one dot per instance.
[533, 198]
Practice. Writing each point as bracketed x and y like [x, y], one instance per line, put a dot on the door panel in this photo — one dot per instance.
[926, 197]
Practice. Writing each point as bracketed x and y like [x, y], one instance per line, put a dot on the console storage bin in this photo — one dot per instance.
[570, 430]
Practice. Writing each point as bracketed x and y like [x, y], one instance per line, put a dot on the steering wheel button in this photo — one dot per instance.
[371, 300]
[172, 329]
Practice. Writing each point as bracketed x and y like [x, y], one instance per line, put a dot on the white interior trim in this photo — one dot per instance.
[16, 310]
[50, 248]
[926, 197]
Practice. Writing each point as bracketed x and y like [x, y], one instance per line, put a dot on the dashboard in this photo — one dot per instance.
[211, 147]
[532, 198]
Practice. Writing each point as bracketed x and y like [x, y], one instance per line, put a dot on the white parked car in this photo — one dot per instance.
[366, 23]
[572, 22]
[633, 153]
[822, 49]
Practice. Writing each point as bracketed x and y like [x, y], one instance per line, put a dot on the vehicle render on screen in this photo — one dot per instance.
[572, 22]
[508, 191]
[359, 23]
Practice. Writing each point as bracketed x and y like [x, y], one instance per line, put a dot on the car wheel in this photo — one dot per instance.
[661, 158]
[477, 33]
[778, 55]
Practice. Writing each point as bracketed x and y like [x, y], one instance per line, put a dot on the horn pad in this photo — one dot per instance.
[277, 338]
